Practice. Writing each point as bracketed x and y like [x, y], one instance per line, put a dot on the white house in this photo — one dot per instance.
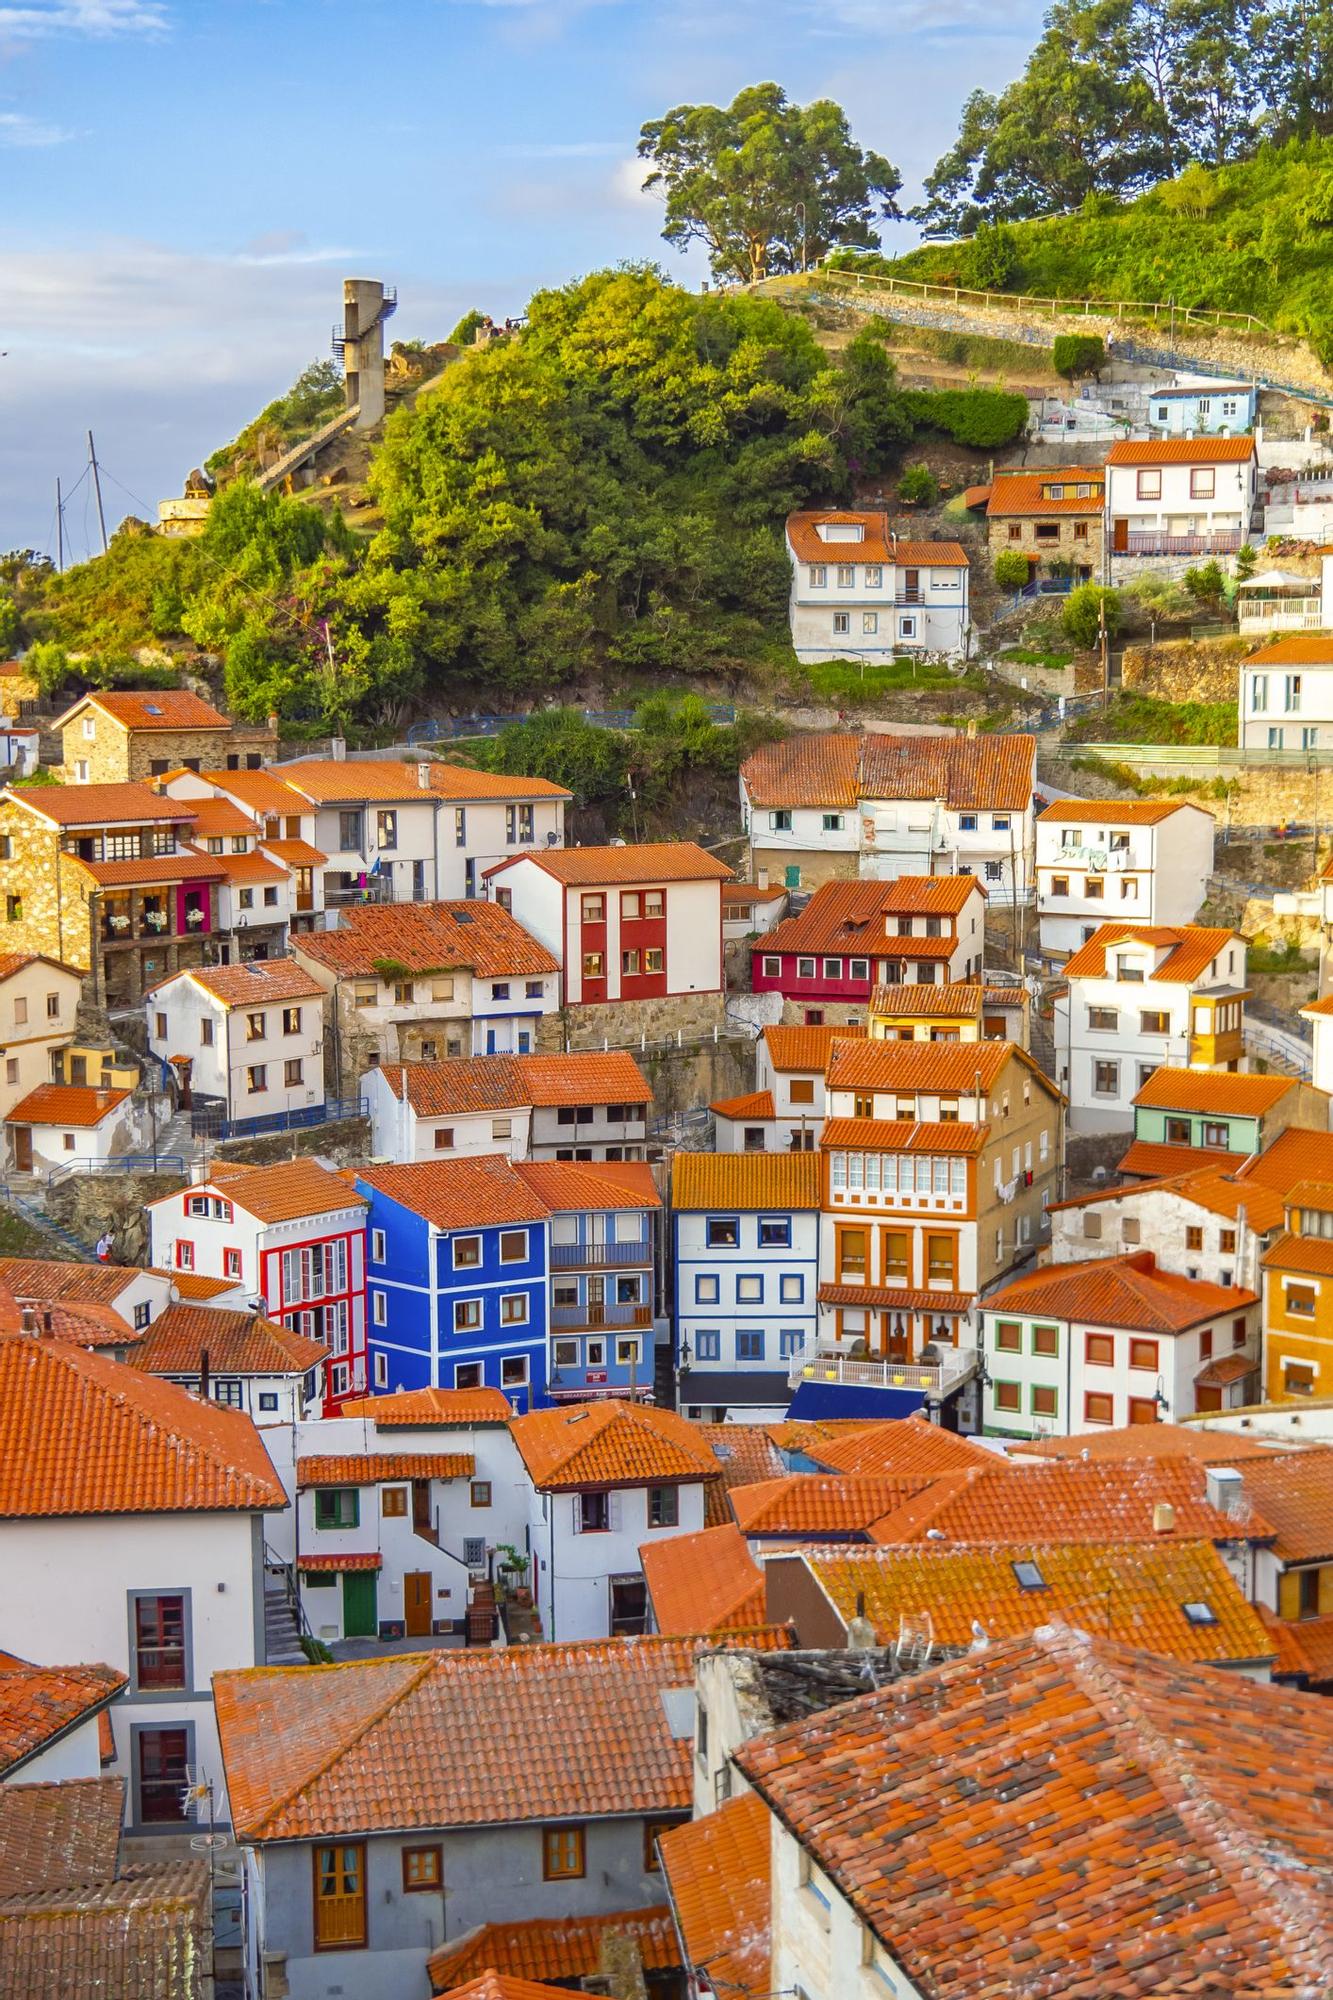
[1320, 1016]
[858, 592]
[254, 813]
[1100, 860]
[377, 824]
[295, 1235]
[240, 1359]
[745, 1247]
[606, 1478]
[1277, 600]
[1209, 1223]
[1139, 997]
[19, 748]
[785, 1111]
[1177, 497]
[584, 1105]
[38, 1000]
[1286, 695]
[67, 1124]
[487, 816]
[247, 1040]
[1077, 1348]
[132, 1533]
[626, 923]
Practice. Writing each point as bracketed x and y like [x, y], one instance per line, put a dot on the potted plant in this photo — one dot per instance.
[513, 1565]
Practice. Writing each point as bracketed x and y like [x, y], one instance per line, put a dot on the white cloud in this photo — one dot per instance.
[18, 130]
[574, 149]
[84, 17]
[627, 182]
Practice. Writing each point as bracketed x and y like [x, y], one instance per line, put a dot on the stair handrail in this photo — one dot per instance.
[291, 1589]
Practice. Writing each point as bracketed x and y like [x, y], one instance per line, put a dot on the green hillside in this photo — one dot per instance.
[1255, 236]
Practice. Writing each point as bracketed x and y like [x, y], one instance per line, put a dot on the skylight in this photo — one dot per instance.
[1199, 1613]
[1029, 1576]
[151, 708]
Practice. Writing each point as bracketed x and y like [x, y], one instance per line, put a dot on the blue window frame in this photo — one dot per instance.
[791, 1288]
[749, 1346]
[750, 1288]
[967, 822]
[775, 1232]
[723, 1232]
[707, 1289]
[790, 1341]
[708, 1345]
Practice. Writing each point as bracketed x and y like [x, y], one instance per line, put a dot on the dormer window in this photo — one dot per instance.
[841, 531]
[1130, 969]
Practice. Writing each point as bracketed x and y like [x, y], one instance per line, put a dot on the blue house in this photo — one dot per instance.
[746, 1259]
[456, 1278]
[602, 1254]
[1202, 408]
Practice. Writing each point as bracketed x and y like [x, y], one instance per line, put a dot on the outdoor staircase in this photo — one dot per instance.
[282, 1636]
[292, 460]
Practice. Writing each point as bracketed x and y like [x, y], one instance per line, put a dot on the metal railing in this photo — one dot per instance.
[1205, 757]
[453, 728]
[596, 1317]
[812, 1365]
[121, 1163]
[1154, 309]
[207, 1121]
[1148, 542]
[593, 1256]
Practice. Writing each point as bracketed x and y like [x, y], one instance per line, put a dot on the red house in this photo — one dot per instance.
[854, 936]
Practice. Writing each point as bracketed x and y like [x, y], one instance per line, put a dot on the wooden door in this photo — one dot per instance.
[1207, 1399]
[421, 1506]
[416, 1603]
[340, 1896]
[360, 1620]
[23, 1148]
[1120, 536]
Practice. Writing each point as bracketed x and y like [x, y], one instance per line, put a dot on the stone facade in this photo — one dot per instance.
[48, 895]
[1076, 540]
[1185, 669]
[115, 755]
[816, 866]
[619, 1024]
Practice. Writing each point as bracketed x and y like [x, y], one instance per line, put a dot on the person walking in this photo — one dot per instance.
[104, 1247]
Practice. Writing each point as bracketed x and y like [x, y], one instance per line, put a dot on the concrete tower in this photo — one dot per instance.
[360, 342]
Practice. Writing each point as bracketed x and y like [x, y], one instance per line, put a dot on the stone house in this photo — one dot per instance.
[38, 1000]
[17, 685]
[1053, 517]
[118, 737]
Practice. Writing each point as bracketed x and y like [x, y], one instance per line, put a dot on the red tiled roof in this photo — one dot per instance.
[38, 1704]
[59, 1836]
[954, 1068]
[153, 708]
[80, 1434]
[1155, 1160]
[66, 1104]
[806, 1048]
[994, 773]
[708, 1581]
[1117, 812]
[1018, 493]
[891, 1298]
[563, 1948]
[1067, 1502]
[458, 1739]
[12, 962]
[1294, 1491]
[329, 781]
[804, 771]
[1190, 949]
[745, 1454]
[1134, 1441]
[244, 870]
[194, 1285]
[370, 1468]
[459, 1194]
[256, 982]
[745, 1180]
[455, 1088]
[1295, 1155]
[647, 862]
[1120, 1291]
[961, 999]
[294, 853]
[286, 1191]
[584, 1076]
[493, 1985]
[1180, 451]
[237, 1343]
[853, 917]
[86, 1322]
[720, 1873]
[904, 1135]
[1225, 1370]
[587, 1184]
[461, 781]
[879, 543]
[902, 1449]
[218, 818]
[755, 1104]
[744, 895]
[262, 791]
[820, 1505]
[1300, 1253]
[44, 1279]
[610, 1444]
[427, 937]
[145, 1936]
[429, 1407]
[1112, 1809]
[101, 805]
[1303, 1647]
[1218, 1091]
[184, 866]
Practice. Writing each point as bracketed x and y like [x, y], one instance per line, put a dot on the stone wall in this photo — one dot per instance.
[621, 1023]
[87, 1204]
[1185, 669]
[114, 755]
[816, 868]
[345, 1142]
[1068, 547]
[43, 892]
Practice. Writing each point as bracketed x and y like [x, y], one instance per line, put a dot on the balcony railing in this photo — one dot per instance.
[571, 1317]
[933, 1381]
[1293, 614]
[1148, 542]
[598, 1256]
[376, 889]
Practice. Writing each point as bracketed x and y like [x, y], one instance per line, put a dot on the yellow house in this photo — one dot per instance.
[1298, 1298]
[38, 1000]
[962, 1011]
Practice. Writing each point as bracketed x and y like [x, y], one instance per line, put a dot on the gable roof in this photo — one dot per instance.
[1181, 451]
[1156, 1441]
[1150, 1159]
[1219, 1193]
[904, 1448]
[563, 1948]
[1294, 652]
[462, 781]
[457, 1739]
[237, 1343]
[100, 805]
[453, 1089]
[1219, 1091]
[66, 1104]
[646, 861]
[821, 1505]
[719, 1869]
[584, 1076]
[951, 1067]
[149, 708]
[286, 1191]
[14, 962]
[469, 1193]
[463, 936]
[1135, 1592]
[745, 1180]
[753, 1104]
[429, 1407]
[707, 1581]
[57, 1836]
[1190, 949]
[1294, 1491]
[959, 999]
[1109, 1803]
[610, 1444]
[370, 1468]
[815, 770]
[1117, 812]
[805, 1047]
[1125, 1291]
[47, 1279]
[38, 1705]
[218, 818]
[1295, 1155]
[566, 1185]
[905, 1135]
[1017, 493]
[145, 1936]
[995, 773]
[254, 983]
[1060, 1501]
[262, 791]
[745, 1454]
[80, 1434]
[852, 917]
[332, 781]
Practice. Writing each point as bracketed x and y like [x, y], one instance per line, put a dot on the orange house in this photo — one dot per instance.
[1298, 1298]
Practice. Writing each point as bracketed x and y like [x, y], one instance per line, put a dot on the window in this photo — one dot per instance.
[846, 576]
[423, 1868]
[907, 628]
[1227, 1242]
[340, 1896]
[161, 1763]
[791, 1289]
[291, 1020]
[381, 1377]
[1148, 486]
[467, 1315]
[1008, 1396]
[1216, 1135]
[1106, 1079]
[563, 1854]
[940, 1258]
[1099, 1350]
[1009, 1336]
[722, 1232]
[231, 1263]
[1098, 1408]
[444, 1143]
[467, 1375]
[159, 1656]
[513, 1242]
[749, 1291]
[780, 821]
[592, 1510]
[513, 1308]
[706, 1290]
[1046, 1340]
[1300, 1300]
[594, 965]
[467, 1253]
[479, 1493]
[663, 1507]
[870, 621]
[1203, 481]
[593, 909]
[749, 1346]
[256, 1079]
[349, 832]
[1155, 1021]
[1129, 1229]
[184, 1255]
[1059, 885]
[256, 1027]
[1298, 1378]
[292, 1073]
[818, 576]
[1238, 1332]
[775, 1232]
[708, 1344]
[393, 1503]
[337, 1507]
[1143, 1354]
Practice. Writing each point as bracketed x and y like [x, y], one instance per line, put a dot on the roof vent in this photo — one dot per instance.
[1163, 1518]
[1223, 1487]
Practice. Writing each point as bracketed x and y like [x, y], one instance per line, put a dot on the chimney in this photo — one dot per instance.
[1163, 1518]
[338, 749]
[198, 1172]
[1223, 1487]
[423, 776]
[273, 720]
[860, 1631]
[203, 1373]
[28, 1319]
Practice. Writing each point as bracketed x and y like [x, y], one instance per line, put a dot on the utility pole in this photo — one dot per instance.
[97, 489]
[60, 530]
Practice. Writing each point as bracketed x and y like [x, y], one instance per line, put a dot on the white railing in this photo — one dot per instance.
[1302, 614]
[812, 1365]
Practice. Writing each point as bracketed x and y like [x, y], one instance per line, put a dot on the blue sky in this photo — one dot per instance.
[188, 181]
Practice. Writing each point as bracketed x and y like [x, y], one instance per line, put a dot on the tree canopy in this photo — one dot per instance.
[766, 184]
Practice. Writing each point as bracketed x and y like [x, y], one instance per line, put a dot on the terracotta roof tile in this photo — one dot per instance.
[244, 870]
[1013, 494]
[493, 1985]
[891, 1298]
[745, 1180]
[12, 962]
[1155, 1441]
[369, 1468]
[1294, 652]
[1294, 1155]
[804, 771]
[610, 1444]
[101, 805]
[1225, 1370]
[1213, 1090]
[584, 1076]
[151, 708]
[805, 1048]
[328, 781]
[904, 1135]
[563, 1948]
[647, 862]
[744, 895]
[1061, 1802]
[951, 1067]
[1153, 1160]
[283, 1192]
[823, 1506]
[857, 917]
[454, 1088]
[1303, 1647]
[1294, 1491]
[1135, 1592]
[80, 1434]
[745, 1454]
[960, 999]
[86, 1322]
[565, 1185]
[1181, 451]
[879, 542]
[457, 1739]
[186, 865]
[252, 984]
[705, 1582]
[1219, 1193]
[754, 1104]
[218, 818]
[904, 1448]
[66, 1104]
[458, 1194]
[38, 1704]
[294, 853]
[461, 781]
[262, 791]
[1092, 1502]
[1120, 1291]
[427, 937]
[1300, 1253]
[1116, 812]
[194, 1285]
[237, 1343]
[146, 1936]
[59, 1836]
[994, 773]
[719, 1871]
[429, 1407]
[1190, 950]
[47, 1279]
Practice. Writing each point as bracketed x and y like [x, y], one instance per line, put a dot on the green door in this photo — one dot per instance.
[359, 1609]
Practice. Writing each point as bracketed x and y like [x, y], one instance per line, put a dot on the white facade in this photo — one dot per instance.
[391, 841]
[1184, 1236]
[399, 1132]
[1194, 506]
[75, 1754]
[38, 1002]
[1321, 1025]
[61, 1145]
[744, 1308]
[1287, 703]
[256, 1058]
[851, 599]
[103, 1563]
[1118, 868]
[474, 834]
[820, 1946]
[577, 1567]
[590, 929]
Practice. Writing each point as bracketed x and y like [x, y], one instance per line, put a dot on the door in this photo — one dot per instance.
[421, 1506]
[629, 1606]
[78, 1070]
[360, 1620]
[416, 1603]
[1207, 1399]
[162, 1772]
[23, 1148]
[490, 1041]
[1120, 536]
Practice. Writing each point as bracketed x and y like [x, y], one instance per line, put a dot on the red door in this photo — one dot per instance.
[162, 1774]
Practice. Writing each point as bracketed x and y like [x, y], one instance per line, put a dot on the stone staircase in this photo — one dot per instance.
[282, 1633]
